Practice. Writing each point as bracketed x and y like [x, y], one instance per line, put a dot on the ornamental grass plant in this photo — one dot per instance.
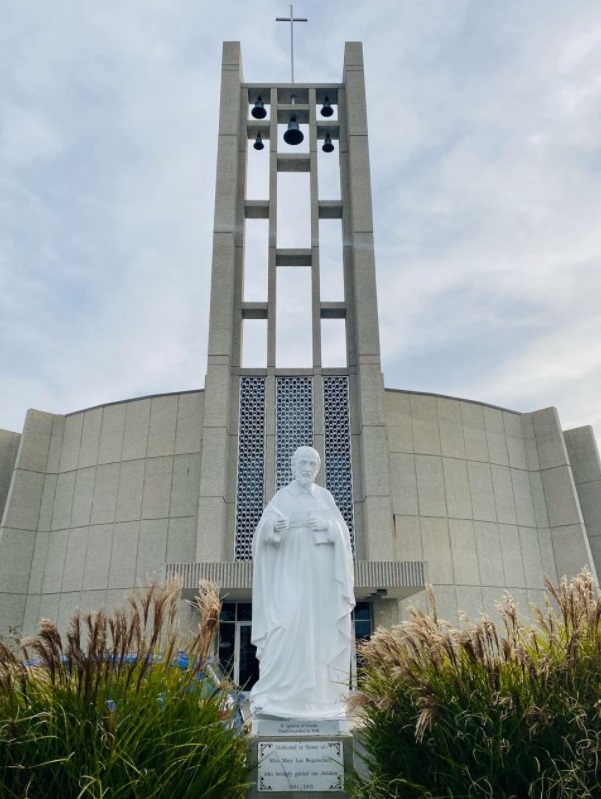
[104, 712]
[486, 711]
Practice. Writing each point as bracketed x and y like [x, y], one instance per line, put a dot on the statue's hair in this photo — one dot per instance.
[294, 458]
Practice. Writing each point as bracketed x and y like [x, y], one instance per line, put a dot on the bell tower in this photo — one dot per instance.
[254, 418]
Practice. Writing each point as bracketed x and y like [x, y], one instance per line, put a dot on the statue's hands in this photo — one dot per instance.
[281, 524]
[316, 523]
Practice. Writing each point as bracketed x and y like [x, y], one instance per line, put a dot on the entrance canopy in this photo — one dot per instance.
[375, 579]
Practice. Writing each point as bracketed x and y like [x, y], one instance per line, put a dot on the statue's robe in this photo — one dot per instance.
[302, 602]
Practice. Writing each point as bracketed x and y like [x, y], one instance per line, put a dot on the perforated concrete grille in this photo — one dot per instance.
[337, 429]
[251, 463]
[294, 422]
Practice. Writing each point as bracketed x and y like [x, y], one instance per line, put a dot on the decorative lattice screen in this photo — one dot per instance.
[251, 463]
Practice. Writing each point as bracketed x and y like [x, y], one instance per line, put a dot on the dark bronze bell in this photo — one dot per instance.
[259, 111]
[294, 134]
[258, 145]
[328, 147]
[326, 109]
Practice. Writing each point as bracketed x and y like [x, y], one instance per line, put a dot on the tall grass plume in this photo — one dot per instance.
[104, 711]
[487, 711]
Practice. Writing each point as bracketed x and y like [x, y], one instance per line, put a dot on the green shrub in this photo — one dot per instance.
[487, 712]
[92, 721]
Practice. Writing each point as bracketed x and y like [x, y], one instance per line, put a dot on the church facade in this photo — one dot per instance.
[473, 499]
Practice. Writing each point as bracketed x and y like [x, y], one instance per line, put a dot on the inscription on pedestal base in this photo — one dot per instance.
[290, 767]
[302, 766]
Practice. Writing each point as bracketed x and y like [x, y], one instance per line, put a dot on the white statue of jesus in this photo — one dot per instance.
[302, 600]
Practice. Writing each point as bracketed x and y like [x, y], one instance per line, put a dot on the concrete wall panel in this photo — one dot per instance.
[452, 443]
[522, 494]
[90, 438]
[531, 557]
[560, 497]
[503, 493]
[157, 488]
[35, 441]
[63, 501]
[124, 554]
[98, 557]
[184, 488]
[56, 444]
[403, 483]
[469, 601]
[476, 444]
[513, 564]
[398, 421]
[75, 559]
[463, 549]
[457, 487]
[437, 549]
[38, 563]
[69, 458]
[161, 431]
[55, 561]
[130, 491]
[135, 437]
[104, 502]
[24, 500]
[47, 503]
[407, 531]
[16, 553]
[181, 540]
[490, 556]
[424, 419]
[32, 615]
[497, 448]
[547, 554]
[111, 435]
[188, 433]
[152, 550]
[481, 492]
[82, 497]
[430, 486]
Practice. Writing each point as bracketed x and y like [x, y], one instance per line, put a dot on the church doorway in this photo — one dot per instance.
[236, 653]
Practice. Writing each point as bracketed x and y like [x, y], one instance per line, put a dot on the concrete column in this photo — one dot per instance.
[568, 534]
[372, 491]
[586, 470]
[225, 315]
[21, 517]
[9, 445]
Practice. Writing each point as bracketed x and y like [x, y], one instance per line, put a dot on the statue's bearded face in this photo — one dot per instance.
[305, 465]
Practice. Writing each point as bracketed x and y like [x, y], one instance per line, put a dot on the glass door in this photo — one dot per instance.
[236, 653]
[246, 665]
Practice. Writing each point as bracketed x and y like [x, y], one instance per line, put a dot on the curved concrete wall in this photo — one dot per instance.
[99, 501]
[485, 496]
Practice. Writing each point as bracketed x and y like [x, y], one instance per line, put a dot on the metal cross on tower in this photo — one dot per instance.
[291, 19]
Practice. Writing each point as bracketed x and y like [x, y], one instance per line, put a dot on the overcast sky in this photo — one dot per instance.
[485, 141]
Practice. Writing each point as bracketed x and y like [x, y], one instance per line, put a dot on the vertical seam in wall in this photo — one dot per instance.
[145, 459]
[168, 527]
[110, 554]
[142, 517]
[176, 425]
[89, 524]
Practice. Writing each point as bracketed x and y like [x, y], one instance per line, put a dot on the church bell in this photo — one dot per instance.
[328, 147]
[259, 111]
[326, 109]
[294, 134]
[258, 145]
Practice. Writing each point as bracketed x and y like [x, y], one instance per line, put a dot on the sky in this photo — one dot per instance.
[485, 147]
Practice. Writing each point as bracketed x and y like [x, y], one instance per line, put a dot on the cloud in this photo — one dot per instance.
[484, 137]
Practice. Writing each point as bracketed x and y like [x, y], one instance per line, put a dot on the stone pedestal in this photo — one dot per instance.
[293, 759]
